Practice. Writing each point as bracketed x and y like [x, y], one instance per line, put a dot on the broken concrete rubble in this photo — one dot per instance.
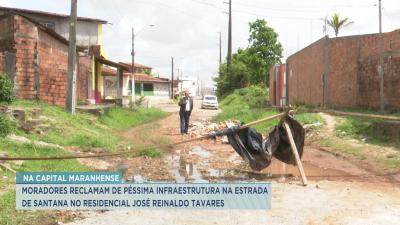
[204, 127]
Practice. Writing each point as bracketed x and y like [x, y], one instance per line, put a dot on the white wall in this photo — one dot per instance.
[161, 89]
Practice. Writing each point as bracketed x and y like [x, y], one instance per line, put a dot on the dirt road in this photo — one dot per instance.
[340, 190]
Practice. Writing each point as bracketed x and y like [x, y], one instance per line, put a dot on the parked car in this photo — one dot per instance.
[209, 102]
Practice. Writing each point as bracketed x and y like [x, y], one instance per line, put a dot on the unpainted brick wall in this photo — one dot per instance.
[53, 69]
[353, 78]
[82, 80]
[2, 62]
[26, 36]
[343, 57]
[304, 72]
[41, 62]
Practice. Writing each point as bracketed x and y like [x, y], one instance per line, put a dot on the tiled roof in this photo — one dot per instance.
[37, 12]
[141, 77]
[137, 65]
[108, 71]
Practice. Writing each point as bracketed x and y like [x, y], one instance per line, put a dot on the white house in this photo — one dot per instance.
[145, 84]
[188, 84]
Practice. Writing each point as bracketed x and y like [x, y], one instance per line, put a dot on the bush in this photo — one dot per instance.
[6, 89]
[253, 96]
[6, 126]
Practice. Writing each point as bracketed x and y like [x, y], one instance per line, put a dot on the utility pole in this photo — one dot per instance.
[71, 93]
[172, 78]
[229, 57]
[133, 97]
[380, 67]
[181, 80]
[220, 49]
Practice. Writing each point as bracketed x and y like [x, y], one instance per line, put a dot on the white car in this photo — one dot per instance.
[209, 102]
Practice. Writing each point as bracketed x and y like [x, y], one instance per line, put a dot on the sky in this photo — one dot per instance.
[188, 30]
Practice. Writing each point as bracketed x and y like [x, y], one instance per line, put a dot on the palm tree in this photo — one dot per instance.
[336, 23]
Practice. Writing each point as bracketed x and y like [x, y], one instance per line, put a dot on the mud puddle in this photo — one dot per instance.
[199, 165]
[184, 169]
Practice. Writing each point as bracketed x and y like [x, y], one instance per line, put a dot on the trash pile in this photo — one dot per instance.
[204, 127]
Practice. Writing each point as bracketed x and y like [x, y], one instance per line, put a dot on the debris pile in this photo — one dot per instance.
[204, 127]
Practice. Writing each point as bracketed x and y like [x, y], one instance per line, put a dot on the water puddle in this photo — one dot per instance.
[312, 171]
[197, 150]
[184, 171]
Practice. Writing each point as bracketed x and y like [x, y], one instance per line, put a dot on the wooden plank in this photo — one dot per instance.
[373, 116]
[295, 153]
[262, 120]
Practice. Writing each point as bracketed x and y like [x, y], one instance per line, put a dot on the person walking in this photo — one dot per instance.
[186, 104]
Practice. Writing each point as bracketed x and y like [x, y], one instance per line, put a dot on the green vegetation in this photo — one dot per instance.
[359, 128]
[85, 130]
[249, 104]
[249, 66]
[8, 214]
[337, 23]
[6, 126]
[152, 152]
[118, 118]
[6, 90]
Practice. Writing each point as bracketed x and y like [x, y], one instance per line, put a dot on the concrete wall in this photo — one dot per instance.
[162, 89]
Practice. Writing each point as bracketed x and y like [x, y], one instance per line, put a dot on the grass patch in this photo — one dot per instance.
[86, 130]
[358, 128]
[153, 152]
[8, 214]
[119, 118]
[248, 105]
[343, 147]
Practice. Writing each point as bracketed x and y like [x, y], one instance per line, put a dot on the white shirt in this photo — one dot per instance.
[188, 105]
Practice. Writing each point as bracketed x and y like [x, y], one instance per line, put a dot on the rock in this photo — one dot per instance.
[3, 154]
[25, 140]
[19, 114]
[36, 112]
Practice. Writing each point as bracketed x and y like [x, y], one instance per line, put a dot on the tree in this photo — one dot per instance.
[265, 50]
[250, 66]
[336, 23]
[239, 76]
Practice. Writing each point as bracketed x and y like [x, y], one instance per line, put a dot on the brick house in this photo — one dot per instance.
[343, 72]
[35, 58]
[88, 30]
[88, 36]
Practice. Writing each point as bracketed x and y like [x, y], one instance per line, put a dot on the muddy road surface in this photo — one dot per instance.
[340, 190]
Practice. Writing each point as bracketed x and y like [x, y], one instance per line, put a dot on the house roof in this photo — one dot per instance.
[137, 65]
[51, 14]
[139, 77]
[43, 28]
[108, 71]
[147, 78]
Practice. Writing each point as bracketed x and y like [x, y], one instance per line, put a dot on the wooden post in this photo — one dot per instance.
[295, 153]
[71, 91]
[119, 86]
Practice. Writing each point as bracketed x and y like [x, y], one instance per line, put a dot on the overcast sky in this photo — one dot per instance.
[188, 30]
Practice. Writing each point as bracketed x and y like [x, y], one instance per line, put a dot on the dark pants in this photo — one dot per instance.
[184, 115]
